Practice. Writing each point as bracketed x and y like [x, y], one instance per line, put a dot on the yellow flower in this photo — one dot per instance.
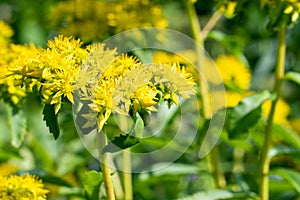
[223, 99]
[146, 95]
[61, 60]
[98, 19]
[24, 187]
[234, 73]
[125, 84]
[7, 169]
[5, 34]
[293, 8]
[295, 124]
[229, 9]
[281, 113]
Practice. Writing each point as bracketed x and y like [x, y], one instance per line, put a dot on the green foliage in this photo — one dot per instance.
[245, 115]
[293, 76]
[51, 120]
[91, 183]
[231, 171]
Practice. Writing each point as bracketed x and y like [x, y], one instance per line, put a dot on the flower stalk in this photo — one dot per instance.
[127, 177]
[203, 99]
[103, 158]
[279, 75]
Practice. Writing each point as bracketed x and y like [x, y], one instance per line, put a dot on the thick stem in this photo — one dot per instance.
[127, 177]
[103, 158]
[279, 75]
[213, 157]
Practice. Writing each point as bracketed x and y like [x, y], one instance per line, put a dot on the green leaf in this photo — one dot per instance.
[246, 114]
[293, 76]
[121, 142]
[138, 127]
[241, 126]
[291, 176]
[91, 184]
[219, 194]
[282, 150]
[18, 128]
[51, 120]
[286, 134]
[174, 169]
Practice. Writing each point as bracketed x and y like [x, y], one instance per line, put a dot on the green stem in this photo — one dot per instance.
[103, 158]
[196, 31]
[203, 100]
[279, 75]
[127, 177]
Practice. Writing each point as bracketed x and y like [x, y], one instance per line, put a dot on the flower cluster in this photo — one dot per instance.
[25, 187]
[93, 20]
[111, 83]
[50, 72]
[127, 86]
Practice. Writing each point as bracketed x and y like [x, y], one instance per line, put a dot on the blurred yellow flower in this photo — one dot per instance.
[7, 169]
[5, 34]
[93, 20]
[295, 124]
[223, 99]
[293, 9]
[235, 74]
[24, 187]
[281, 113]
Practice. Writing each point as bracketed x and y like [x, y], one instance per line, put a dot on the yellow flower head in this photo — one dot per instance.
[61, 60]
[229, 9]
[5, 33]
[94, 20]
[234, 73]
[125, 84]
[25, 187]
[281, 113]
[7, 169]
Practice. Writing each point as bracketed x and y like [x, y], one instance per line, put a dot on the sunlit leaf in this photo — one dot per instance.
[282, 150]
[175, 169]
[138, 126]
[286, 134]
[292, 176]
[219, 194]
[293, 76]
[91, 183]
